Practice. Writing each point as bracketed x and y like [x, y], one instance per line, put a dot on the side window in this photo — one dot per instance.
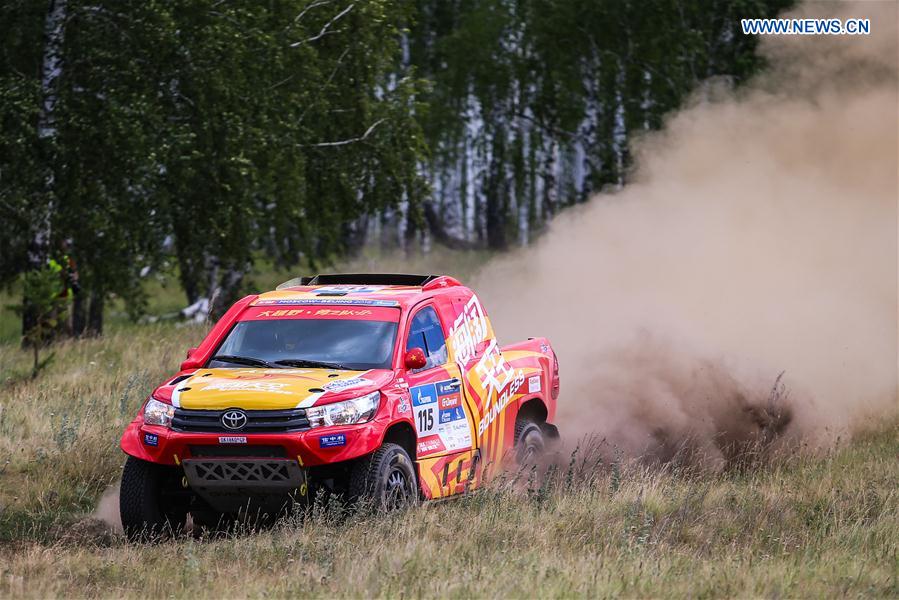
[426, 333]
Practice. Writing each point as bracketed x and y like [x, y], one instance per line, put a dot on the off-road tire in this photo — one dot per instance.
[145, 513]
[384, 480]
[530, 443]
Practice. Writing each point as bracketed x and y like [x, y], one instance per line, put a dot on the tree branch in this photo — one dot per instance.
[303, 12]
[324, 31]
[349, 141]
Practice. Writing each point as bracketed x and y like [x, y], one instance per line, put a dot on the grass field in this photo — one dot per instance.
[807, 526]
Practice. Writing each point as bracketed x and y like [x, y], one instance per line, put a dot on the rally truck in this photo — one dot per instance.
[387, 389]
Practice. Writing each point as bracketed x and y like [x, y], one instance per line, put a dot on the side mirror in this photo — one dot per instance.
[415, 359]
[190, 352]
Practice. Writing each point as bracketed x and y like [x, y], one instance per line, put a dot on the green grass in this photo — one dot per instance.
[805, 526]
[809, 526]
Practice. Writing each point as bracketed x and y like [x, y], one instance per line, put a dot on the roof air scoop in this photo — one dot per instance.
[295, 282]
[371, 279]
[428, 282]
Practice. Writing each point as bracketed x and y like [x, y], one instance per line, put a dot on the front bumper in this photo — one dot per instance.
[312, 447]
[232, 485]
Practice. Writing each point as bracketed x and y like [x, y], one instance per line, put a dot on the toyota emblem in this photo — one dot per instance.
[234, 419]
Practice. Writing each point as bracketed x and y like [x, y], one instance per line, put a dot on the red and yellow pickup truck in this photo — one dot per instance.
[375, 387]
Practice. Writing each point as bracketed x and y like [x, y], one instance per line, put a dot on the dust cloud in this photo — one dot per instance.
[757, 236]
[104, 525]
[108, 509]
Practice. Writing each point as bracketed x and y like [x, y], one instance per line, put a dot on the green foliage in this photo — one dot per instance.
[202, 134]
[206, 131]
[46, 296]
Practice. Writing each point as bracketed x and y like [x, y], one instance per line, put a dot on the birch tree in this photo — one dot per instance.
[38, 254]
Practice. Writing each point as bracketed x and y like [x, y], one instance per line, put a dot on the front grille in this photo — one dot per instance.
[234, 485]
[240, 471]
[235, 451]
[258, 421]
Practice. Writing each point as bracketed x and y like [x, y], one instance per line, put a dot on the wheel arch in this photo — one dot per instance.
[402, 434]
[535, 409]
[131, 445]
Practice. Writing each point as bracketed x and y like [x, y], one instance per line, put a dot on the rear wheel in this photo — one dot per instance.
[385, 479]
[529, 443]
[151, 500]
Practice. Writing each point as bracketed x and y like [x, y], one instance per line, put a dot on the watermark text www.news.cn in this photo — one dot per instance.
[806, 26]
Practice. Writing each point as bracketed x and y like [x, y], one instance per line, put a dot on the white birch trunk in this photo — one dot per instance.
[647, 104]
[51, 69]
[619, 133]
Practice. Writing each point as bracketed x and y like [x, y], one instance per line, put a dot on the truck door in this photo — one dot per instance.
[442, 420]
[490, 382]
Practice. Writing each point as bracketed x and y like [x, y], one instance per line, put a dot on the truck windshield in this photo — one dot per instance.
[351, 344]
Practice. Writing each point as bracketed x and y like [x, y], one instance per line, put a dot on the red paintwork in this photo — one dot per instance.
[445, 294]
[361, 440]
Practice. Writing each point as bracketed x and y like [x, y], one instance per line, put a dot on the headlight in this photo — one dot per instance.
[348, 412]
[158, 413]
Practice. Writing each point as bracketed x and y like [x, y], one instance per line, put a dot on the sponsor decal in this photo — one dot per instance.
[423, 394]
[468, 330]
[283, 312]
[336, 301]
[232, 439]
[450, 401]
[348, 289]
[502, 389]
[447, 387]
[453, 414]
[151, 439]
[403, 406]
[430, 445]
[496, 374]
[332, 441]
[343, 312]
[247, 386]
[318, 311]
[533, 384]
[424, 400]
[544, 348]
[321, 312]
[339, 385]
[439, 418]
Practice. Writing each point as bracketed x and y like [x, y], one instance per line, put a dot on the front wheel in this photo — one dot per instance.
[149, 500]
[385, 478]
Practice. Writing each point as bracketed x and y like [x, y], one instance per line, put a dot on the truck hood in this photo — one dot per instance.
[269, 389]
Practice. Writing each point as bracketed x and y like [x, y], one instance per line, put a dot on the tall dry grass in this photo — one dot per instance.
[59, 434]
[809, 526]
[818, 527]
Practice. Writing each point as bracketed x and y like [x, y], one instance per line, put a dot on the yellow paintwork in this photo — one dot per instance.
[262, 389]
